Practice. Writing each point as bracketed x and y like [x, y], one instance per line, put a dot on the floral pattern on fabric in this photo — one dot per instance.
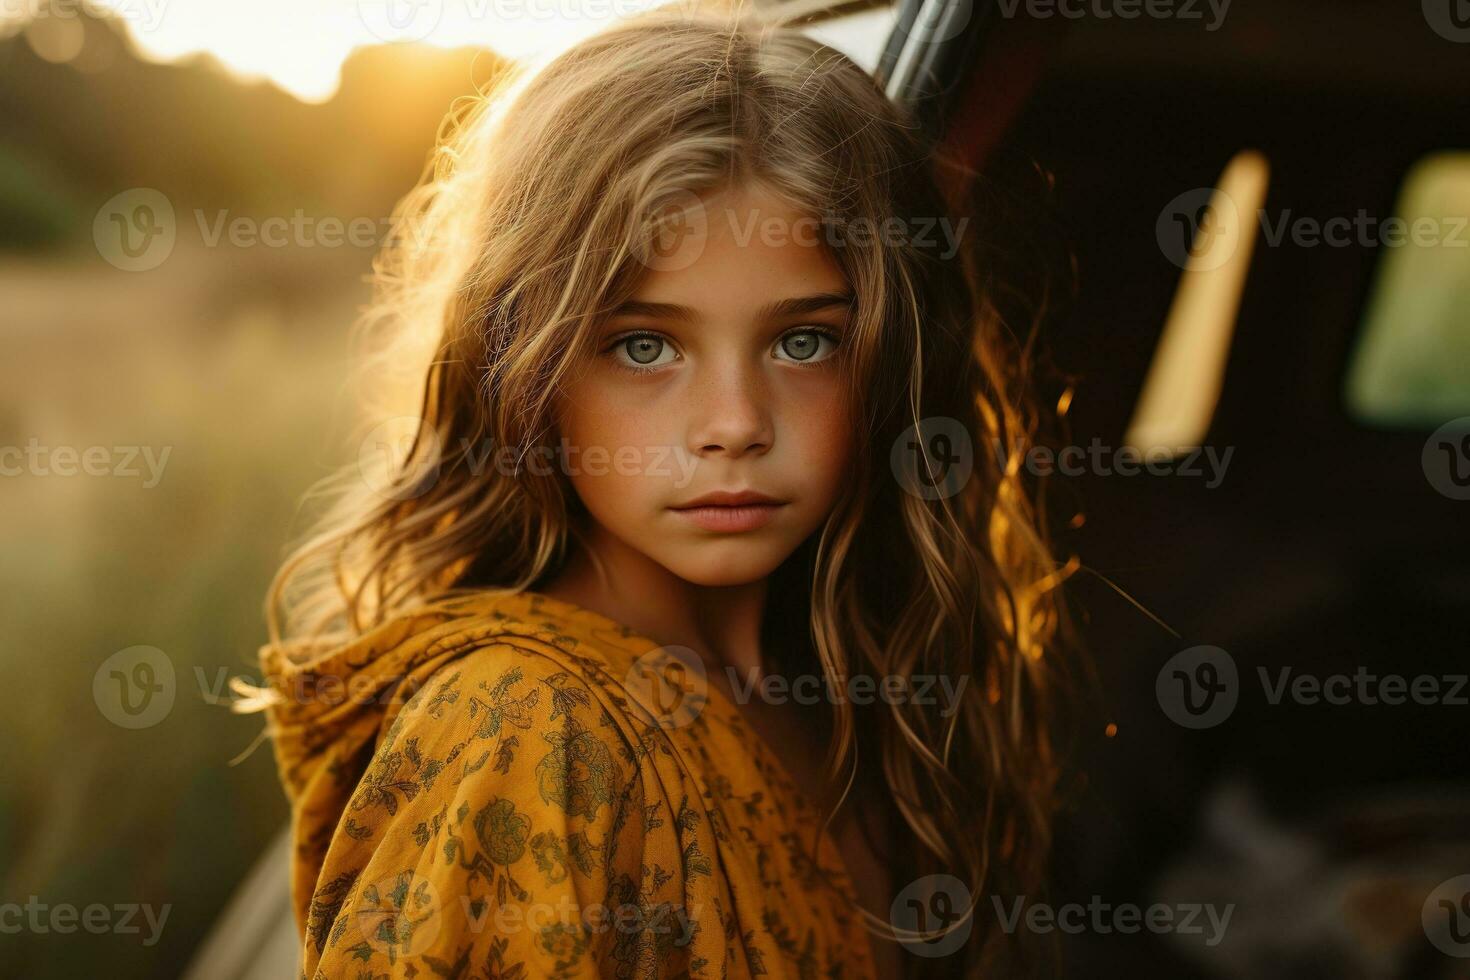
[488, 798]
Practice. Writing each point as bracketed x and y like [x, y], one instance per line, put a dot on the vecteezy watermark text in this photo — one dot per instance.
[628, 918]
[38, 459]
[672, 683]
[37, 916]
[300, 230]
[136, 230]
[1098, 916]
[143, 15]
[861, 689]
[1200, 687]
[401, 460]
[1100, 460]
[1183, 10]
[1197, 227]
[939, 233]
[934, 914]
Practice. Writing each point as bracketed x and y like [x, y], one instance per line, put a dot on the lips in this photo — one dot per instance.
[729, 498]
[726, 510]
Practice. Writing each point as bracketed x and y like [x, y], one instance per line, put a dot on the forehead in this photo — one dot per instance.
[751, 247]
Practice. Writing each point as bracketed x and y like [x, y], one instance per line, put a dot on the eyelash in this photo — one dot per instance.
[611, 349]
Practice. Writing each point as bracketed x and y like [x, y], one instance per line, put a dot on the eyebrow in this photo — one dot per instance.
[794, 306]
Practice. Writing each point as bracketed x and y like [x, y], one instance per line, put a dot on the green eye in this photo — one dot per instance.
[806, 346]
[643, 350]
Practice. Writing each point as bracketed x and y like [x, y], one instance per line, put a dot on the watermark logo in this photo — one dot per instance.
[671, 683]
[1446, 459]
[1198, 687]
[1192, 229]
[138, 230]
[383, 458]
[933, 458]
[932, 915]
[1202, 228]
[1446, 917]
[395, 21]
[674, 234]
[135, 230]
[135, 687]
[399, 916]
[1450, 19]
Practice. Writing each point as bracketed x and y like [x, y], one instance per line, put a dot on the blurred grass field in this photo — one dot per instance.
[234, 359]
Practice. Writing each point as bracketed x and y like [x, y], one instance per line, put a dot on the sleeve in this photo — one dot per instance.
[500, 830]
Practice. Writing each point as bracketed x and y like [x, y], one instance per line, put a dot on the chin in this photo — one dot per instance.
[720, 564]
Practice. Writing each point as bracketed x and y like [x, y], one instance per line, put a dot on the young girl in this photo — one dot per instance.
[696, 630]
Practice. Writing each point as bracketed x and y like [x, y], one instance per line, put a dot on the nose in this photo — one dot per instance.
[730, 412]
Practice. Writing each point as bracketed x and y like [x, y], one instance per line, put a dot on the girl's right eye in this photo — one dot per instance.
[642, 351]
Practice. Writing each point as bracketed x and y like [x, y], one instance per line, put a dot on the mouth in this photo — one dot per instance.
[744, 510]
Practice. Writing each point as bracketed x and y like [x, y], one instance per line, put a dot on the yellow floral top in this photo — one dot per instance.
[489, 787]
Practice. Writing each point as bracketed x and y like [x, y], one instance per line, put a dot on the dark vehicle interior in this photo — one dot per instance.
[1323, 548]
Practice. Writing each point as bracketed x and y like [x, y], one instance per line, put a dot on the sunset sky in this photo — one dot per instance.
[300, 44]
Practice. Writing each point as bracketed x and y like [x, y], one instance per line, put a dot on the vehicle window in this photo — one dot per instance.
[1210, 232]
[1411, 367]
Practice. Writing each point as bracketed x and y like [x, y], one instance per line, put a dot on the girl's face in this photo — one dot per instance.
[720, 376]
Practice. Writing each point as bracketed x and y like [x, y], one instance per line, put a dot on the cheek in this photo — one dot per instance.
[607, 444]
[821, 432]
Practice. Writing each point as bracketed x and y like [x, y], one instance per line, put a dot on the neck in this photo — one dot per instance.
[721, 623]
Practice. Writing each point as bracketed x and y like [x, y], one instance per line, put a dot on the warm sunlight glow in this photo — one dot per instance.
[300, 44]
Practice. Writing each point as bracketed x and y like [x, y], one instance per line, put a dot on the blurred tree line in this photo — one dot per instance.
[74, 133]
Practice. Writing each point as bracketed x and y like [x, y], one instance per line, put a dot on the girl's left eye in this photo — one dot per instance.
[807, 346]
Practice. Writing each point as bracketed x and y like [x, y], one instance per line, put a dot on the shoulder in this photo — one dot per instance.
[505, 670]
[529, 650]
[525, 720]
[503, 673]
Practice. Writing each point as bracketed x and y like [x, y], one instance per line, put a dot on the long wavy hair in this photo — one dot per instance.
[543, 193]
